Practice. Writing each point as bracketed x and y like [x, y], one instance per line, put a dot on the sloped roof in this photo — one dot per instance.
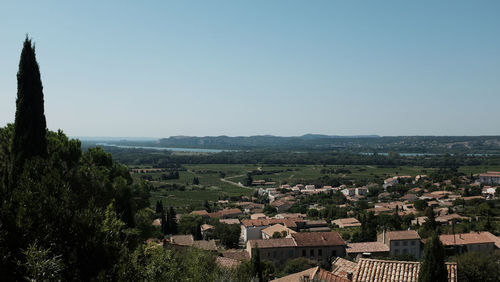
[182, 240]
[306, 239]
[225, 262]
[367, 247]
[394, 271]
[341, 267]
[313, 274]
[272, 243]
[276, 228]
[468, 238]
[205, 245]
[402, 235]
[289, 222]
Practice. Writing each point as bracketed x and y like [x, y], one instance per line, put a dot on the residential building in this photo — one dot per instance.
[402, 242]
[318, 246]
[344, 268]
[251, 228]
[349, 192]
[268, 233]
[346, 222]
[474, 241]
[491, 177]
[367, 249]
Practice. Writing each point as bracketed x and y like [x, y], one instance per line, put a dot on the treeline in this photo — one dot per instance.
[154, 157]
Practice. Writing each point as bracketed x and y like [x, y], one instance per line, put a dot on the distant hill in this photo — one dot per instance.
[361, 143]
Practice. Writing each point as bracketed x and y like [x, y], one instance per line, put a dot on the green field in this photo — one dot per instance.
[212, 188]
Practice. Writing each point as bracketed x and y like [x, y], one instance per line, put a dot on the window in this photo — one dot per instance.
[274, 254]
[413, 243]
[320, 252]
[311, 252]
[396, 252]
[478, 247]
[303, 253]
[405, 243]
[405, 251]
[268, 254]
[290, 253]
[396, 244]
[334, 253]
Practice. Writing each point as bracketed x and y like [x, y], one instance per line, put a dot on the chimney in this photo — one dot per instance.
[383, 236]
[349, 276]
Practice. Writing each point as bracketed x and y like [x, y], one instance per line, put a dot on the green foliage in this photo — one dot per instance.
[474, 266]
[228, 234]
[269, 210]
[296, 265]
[420, 205]
[368, 232]
[41, 265]
[29, 139]
[190, 224]
[433, 268]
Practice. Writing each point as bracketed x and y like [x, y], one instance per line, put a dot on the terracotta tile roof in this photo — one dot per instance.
[288, 222]
[347, 222]
[446, 218]
[306, 239]
[230, 221]
[205, 227]
[236, 254]
[468, 238]
[182, 240]
[205, 245]
[225, 212]
[341, 267]
[313, 274]
[367, 247]
[200, 212]
[272, 243]
[394, 271]
[276, 228]
[402, 235]
[227, 262]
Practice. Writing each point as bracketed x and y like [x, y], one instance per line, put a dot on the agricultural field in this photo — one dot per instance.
[212, 187]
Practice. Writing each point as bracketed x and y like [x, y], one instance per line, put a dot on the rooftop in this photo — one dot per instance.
[317, 239]
[367, 247]
[402, 235]
[396, 271]
[272, 243]
[468, 238]
[276, 228]
[342, 266]
[312, 274]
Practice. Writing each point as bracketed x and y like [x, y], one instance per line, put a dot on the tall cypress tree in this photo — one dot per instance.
[433, 268]
[30, 127]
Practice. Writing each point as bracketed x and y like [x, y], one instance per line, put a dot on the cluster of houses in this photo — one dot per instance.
[287, 236]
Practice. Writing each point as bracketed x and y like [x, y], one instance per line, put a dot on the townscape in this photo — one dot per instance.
[250, 141]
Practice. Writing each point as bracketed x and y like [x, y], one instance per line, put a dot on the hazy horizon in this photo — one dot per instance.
[285, 68]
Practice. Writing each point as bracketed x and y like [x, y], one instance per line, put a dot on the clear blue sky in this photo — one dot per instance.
[162, 68]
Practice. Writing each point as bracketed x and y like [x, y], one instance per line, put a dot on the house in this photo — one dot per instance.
[474, 241]
[361, 191]
[402, 242]
[180, 242]
[367, 249]
[489, 192]
[202, 213]
[349, 192]
[346, 222]
[394, 271]
[310, 187]
[226, 213]
[451, 218]
[251, 228]
[230, 221]
[268, 233]
[281, 205]
[312, 274]
[207, 231]
[319, 225]
[491, 177]
[257, 216]
[318, 246]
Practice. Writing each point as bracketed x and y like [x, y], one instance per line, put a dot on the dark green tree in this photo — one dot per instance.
[196, 181]
[30, 127]
[257, 265]
[171, 221]
[159, 207]
[433, 268]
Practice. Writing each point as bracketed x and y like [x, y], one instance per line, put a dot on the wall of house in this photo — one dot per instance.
[403, 247]
[253, 232]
